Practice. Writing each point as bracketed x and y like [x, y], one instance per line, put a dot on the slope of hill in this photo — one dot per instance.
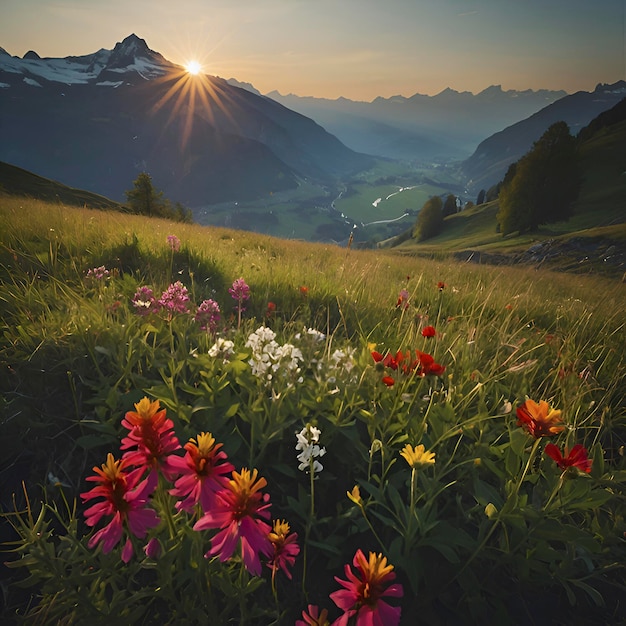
[16, 181]
[489, 163]
[594, 239]
[95, 121]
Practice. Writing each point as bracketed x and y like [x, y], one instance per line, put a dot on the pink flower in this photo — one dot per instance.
[403, 299]
[577, 457]
[428, 331]
[240, 291]
[285, 548]
[240, 511]
[208, 315]
[173, 242]
[203, 472]
[361, 597]
[313, 617]
[144, 301]
[124, 499]
[175, 298]
[153, 549]
[151, 439]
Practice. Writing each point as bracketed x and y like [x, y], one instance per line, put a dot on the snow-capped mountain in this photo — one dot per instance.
[96, 121]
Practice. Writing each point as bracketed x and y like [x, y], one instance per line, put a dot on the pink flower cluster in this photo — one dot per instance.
[235, 506]
[208, 315]
[98, 273]
[240, 291]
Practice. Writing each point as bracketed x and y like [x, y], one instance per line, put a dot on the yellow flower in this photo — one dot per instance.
[417, 456]
[355, 495]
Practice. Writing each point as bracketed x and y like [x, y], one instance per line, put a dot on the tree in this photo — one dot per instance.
[481, 197]
[429, 220]
[543, 185]
[449, 206]
[143, 198]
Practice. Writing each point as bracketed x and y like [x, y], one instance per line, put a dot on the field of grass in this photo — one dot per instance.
[377, 350]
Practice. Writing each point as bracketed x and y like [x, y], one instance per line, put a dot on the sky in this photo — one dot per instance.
[358, 49]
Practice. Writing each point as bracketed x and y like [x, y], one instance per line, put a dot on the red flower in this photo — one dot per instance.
[285, 548]
[151, 439]
[539, 420]
[313, 617]
[577, 457]
[124, 499]
[429, 331]
[389, 381]
[203, 470]
[428, 366]
[271, 309]
[239, 512]
[363, 592]
[304, 291]
[441, 285]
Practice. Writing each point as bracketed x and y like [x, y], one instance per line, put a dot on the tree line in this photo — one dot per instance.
[144, 199]
[540, 188]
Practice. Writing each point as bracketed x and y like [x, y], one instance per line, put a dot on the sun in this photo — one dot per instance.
[193, 67]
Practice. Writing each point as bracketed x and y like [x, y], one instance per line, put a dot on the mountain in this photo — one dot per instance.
[96, 121]
[444, 127]
[489, 163]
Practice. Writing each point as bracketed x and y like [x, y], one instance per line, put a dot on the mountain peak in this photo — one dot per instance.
[126, 51]
[31, 54]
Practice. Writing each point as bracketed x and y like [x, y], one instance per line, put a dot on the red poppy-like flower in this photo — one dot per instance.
[577, 457]
[151, 439]
[539, 420]
[271, 309]
[428, 366]
[429, 331]
[285, 547]
[125, 498]
[304, 291]
[313, 617]
[240, 510]
[441, 285]
[389, 381]
[362, 594]
[203, 472]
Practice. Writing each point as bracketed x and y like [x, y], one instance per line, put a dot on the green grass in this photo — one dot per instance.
[492, 529]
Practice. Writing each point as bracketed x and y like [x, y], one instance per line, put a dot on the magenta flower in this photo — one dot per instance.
[125, 499]
[240, 511]
[151, 440]
[208, 315]
[361, 597]
[144, 301]
[175, 298]
[98, 273]
[203, 471]
[240, 292]
[173, 242]
[285, 548]
[577, 457]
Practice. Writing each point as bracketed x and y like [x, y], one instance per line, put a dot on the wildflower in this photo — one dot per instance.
[127, 551]
[417, 456]
[362, 595]
[428, 366]
[313, 617]
[308, 442]
[203, 470]
[271, 309]
[174, 242]
[98, 273]
[403, 299]
[153, 548]
[151, 439]
[222, 347]
[389, 381]
[355, 495]
[441, 285]
[240, 291]
[539, 420]
[304, 291]
[208, 315]
[144, 301]
[124, 498]
[175, 298]
[239, 512]
[577, 457]
[428, 331]
[285, 548]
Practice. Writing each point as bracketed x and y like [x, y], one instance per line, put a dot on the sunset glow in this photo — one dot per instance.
[193, 67]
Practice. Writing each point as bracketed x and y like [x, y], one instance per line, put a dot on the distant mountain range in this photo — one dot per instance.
[444, 127]
[96, 121]
[489, 163]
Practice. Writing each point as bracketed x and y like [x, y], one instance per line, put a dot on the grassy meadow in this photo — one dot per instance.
[376, 350]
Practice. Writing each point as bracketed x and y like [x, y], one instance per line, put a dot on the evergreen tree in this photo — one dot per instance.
[449, 206]
[481, 197]
[429, 219]
[543, 184]
[143, 198]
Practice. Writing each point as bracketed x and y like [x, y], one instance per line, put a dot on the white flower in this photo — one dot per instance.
[222, 347]
[308, 439]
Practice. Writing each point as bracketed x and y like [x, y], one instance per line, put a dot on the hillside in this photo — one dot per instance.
[15, 181]
[593, 240]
